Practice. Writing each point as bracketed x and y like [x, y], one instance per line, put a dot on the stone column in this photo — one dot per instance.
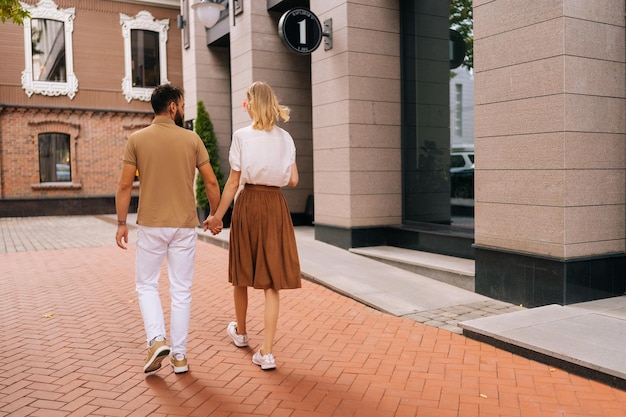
[257, 54]
[356, 123]
[550, 150]
[206, 77]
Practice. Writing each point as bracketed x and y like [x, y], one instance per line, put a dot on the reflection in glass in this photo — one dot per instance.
[48, 50]
[145, 58]
[54, 157]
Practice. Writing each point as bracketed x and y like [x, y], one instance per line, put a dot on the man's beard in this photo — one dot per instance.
[178, 119]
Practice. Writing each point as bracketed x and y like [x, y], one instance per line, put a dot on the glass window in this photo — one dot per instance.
[48, 49]
[48, 46]
[458, 122]
[145, 59]
[54, 157]
[457, 161]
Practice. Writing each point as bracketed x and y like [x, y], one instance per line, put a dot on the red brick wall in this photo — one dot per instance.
[96, 145]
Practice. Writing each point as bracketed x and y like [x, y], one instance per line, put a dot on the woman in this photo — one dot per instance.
[263, 252]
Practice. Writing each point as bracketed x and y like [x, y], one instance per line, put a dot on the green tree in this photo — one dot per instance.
[462, 20]
[204, 129]
[13, 10]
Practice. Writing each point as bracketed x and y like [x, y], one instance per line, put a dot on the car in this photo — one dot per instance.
[63, 172]
[462, 173]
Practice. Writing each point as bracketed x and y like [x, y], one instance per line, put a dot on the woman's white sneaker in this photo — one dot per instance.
[240, 340]
[264, 361]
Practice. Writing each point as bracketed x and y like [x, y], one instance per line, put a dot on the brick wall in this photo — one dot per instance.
[97, 141]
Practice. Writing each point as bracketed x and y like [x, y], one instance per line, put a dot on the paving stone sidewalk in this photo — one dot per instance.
[74, 346]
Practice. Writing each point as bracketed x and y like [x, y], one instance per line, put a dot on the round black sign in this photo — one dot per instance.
[301, 30]
[457, 49]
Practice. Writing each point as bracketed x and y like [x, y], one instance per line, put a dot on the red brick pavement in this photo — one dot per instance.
[73, 345]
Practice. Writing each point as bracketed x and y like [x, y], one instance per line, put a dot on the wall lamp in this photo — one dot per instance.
[208, 12]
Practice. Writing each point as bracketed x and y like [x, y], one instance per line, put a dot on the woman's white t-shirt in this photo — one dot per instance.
[263, 157]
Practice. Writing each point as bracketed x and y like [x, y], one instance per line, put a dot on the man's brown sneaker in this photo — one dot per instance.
[156, 353]
[179, 363]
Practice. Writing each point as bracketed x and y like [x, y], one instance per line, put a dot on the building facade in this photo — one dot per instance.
[75, 81]
[371, 120]
[371, 117]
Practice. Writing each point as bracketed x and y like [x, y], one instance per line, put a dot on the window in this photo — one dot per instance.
[54, 157]
[145, 58]
[48, 50]
[145, 62]
[458, 120]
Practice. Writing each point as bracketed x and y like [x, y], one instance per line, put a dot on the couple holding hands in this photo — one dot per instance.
[262, 251]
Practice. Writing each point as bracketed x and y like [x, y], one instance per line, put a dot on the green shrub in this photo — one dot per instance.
[204, 129]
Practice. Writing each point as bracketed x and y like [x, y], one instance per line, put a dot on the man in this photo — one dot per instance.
[166, 157]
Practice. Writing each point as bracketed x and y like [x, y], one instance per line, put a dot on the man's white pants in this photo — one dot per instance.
[154, 244]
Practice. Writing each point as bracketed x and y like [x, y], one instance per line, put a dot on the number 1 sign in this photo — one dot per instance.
[301, 30]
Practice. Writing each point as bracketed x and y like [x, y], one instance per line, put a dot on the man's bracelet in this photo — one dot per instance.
[121, 222]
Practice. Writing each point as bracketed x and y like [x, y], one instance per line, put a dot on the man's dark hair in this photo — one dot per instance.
[163, 95]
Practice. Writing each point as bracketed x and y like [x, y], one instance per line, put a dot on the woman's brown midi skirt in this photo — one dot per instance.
[263, 252]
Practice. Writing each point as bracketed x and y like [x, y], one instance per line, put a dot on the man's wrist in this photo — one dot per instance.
[121, 222]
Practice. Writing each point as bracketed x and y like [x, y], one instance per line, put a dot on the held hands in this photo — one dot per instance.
[213, 224]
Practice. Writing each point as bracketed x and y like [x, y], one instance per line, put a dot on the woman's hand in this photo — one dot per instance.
[213, 224]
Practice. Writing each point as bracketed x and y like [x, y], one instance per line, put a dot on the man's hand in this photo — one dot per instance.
[121, 236]
[213, 224]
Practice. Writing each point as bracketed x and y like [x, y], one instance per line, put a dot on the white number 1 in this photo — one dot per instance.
[302, 25]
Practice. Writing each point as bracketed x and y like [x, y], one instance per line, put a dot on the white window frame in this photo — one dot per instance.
[142, 21]
[47, 9]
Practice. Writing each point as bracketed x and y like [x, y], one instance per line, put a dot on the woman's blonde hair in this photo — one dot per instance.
[264, 105]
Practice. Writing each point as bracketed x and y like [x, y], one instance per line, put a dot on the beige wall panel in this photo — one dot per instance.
[523, 228]
[594, 150]
[333, 114]
[594, 77]
[375, 66]
[331, 137]
[552, 231]
[296, 197]
[529, 43]
[525, 116]
[523, 187]
[609, 11]
[371, 88]
[356, 97]
[329, 69]
[372, 210]
[594, 187]
[531, 79]
[536, 151]
[301, 131]
[375, 159]
[375, 182]
[338, 6]
[332, 209]
[269, 42]
[332, 160]
[579, 250]
[594, 114]
[373, 112]
[332, 182]
[594, 224]
[512, 15]
[275, 61]
[552, 187]
[594, 40]
[374, 42]
[379, 16]
[332, 90]
[376, 136]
